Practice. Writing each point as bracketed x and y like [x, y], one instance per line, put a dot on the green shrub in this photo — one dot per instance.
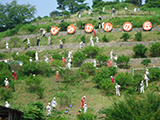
[124, 80]
[30, 68]
[79, 24]
[28, 28]
[103, 80]
[125, 36]
[154, 74]
[83, 38]
[31, 54]
[140, 51]
[154, 49]
[88, 68]
[44, 68]
[69, 76]
[11, 32]
[64, 98]
[122, 61]
[57, 63]
[64, 26]
[87, 116]
[105, 39]
[78, 58]
[33, 82]
[2, 55]
[24, 58]
[5, 72]
[146, 62]
[6, 94]
[132, 108]
[33, 111]
[91, 51]
[138, 36]
[102, 59]
[15, 42]
[57, 56]
[64, 40]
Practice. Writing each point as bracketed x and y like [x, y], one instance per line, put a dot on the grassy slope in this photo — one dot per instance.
[96, 98]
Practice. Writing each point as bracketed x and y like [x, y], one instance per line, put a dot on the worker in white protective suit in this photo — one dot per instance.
[147, 72]
[142, 87]
[91, 41]
[85, 108]
[111, 54]
[54, 104]
[117, 89]
[49, 109]
[94, 63]
[80, 44]
[7, 104]
[146, 79]
[97, 39]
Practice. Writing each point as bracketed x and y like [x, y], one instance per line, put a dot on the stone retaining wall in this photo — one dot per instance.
[64, 33]
[73, 46]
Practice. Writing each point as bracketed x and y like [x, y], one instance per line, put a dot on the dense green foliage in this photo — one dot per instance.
[63, 26]
[146, 62]
[103, 80]
[88, 68]
[154, 49]
[87, 116]
[13, 14]
[102, 59]
[78, 58]
[138, 36]
[91, 51]
[105, 39]
[154, 74]
[125, 36]
[140, 51]
[34, 111]
[123, 61]
[146, 107]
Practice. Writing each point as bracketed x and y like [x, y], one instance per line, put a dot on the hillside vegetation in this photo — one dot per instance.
[31, 94]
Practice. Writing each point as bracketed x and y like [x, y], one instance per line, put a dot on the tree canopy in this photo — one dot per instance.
[13, 14]
[72, 5]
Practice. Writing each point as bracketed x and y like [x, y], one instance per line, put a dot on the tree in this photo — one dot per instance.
[78, 58]
[75, 5]
[139, 50]
[102, 59]
[154, 49]
[146, 62]
[122, 61]
[136, 2]
[54, 13]
[61, 5]
[13, 14]
[95, 2]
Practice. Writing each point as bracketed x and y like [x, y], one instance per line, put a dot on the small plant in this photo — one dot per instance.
[138, 36]
[6, 94]
[63, 40]
[105, 39]
[102, 59]
[146, 62]
[83, 38]
[125, 36]
[79, 24]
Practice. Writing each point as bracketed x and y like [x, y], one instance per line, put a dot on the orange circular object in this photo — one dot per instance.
[127, 26]
[89, 28]
[147, 26]
[54, 30]
[71, 29]
[108, 27]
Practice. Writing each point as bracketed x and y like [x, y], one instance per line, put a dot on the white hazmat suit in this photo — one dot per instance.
[117, 89]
